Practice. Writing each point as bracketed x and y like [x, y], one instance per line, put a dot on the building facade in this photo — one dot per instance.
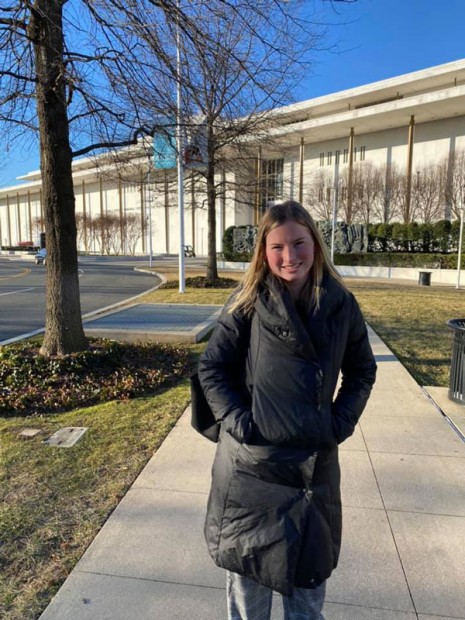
[388, 151]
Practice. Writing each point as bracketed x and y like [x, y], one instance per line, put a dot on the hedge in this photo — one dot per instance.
[396, 245]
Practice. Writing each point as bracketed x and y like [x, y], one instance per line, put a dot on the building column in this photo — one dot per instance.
[84, 214]
[8, 218]
[193, 210]
[41, 202]
[258, 172]
[29, 215]
[121, 215]
[18, 218]
[408, 196]
[351, 177]
[223, 206]
[301, 171]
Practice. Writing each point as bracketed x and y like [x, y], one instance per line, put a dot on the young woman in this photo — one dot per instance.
[269, 373]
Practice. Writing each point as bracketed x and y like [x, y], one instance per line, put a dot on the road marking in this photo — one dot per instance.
[25, 271]
[23, 290]
[22, 337]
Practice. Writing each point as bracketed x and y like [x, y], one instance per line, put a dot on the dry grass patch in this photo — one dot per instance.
[190, 296]
[411, 320]
[195, 291]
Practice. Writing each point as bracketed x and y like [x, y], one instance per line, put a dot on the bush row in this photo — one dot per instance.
[396, 244]
[442, 236]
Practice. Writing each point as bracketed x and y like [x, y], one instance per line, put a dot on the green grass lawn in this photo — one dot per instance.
[411, 320]
[53, 501]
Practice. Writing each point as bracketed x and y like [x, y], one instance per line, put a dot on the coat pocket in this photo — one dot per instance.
[261, 530]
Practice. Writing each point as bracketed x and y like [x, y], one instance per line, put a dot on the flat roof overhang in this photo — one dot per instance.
[431, 79]
[425, 108]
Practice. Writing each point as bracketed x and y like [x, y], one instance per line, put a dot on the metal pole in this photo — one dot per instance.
[459, 253]
[148, 200]
[179, 158]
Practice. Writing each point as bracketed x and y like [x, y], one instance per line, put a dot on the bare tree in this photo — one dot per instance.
[396, 205]
[82, 230]
[37, 227]
[349, 206]
[66, 70]
[48, 84]
[455, 183]
[64, 331]
[368, 190]
[319, 195]
[428, 194]
[247, 61]
[56, 60]
[385, 207]
[114, 233]
[133, 232]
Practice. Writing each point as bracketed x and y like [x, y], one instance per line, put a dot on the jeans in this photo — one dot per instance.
[248, 600]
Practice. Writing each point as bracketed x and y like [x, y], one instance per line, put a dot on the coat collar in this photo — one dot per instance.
[307, 333]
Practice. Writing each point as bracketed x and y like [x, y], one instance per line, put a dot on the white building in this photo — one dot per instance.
[367, 142]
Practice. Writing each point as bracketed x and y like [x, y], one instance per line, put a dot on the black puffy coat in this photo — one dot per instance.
[274, 510]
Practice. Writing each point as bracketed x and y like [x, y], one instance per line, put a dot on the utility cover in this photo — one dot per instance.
[66, 437]
[29, 433]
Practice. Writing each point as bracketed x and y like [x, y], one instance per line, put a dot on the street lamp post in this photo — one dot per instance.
[148, 199]
[459, 253]
[180, 158]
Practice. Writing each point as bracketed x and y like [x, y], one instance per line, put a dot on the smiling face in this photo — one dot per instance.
[290, 253]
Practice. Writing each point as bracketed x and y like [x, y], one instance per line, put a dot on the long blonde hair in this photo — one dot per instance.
[277, 215]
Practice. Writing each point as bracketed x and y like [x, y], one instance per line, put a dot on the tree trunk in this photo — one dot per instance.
[212, 269]
[63, 323]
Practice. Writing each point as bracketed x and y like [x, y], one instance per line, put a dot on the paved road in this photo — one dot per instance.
[103, 281]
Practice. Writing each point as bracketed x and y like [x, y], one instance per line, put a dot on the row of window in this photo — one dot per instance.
[272, 173]
[359, 153]
[272, 180]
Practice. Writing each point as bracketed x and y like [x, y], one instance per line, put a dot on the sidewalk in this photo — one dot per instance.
[403, 483]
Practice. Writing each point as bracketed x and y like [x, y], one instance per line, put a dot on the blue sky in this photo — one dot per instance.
[369, 40]
[379, 39]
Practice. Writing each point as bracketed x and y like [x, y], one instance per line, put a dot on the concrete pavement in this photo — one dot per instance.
[403, 484]
[155, 322]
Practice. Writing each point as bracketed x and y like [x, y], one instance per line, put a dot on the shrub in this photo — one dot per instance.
[32, 384]
[202, 282]
[228, 247]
